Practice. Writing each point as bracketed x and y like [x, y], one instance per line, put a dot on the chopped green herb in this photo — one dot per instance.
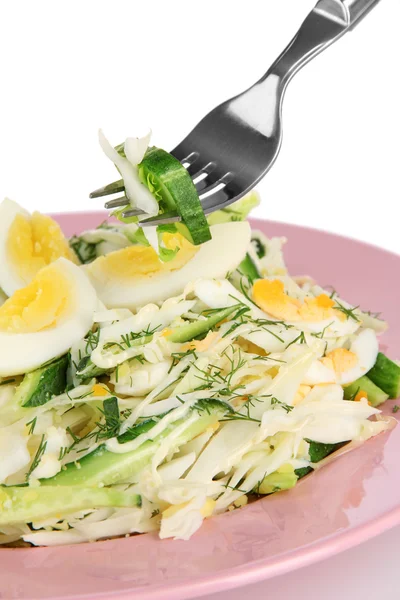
[349, 312]
[31, 426]
[85, 252]
[300, 338]
[275, 402]
[38, 457]
[395, 408]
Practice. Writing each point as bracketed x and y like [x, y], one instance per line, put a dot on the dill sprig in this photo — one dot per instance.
[63, 452]
[92, 341]
[256, 489]
[214, 377]
[268, 322]
[235, 488]
[239, 417]
[266, 358]
[38, 457]
[275, 402]
[349, 312]
[301, 339]
[112, 425]
[321, 334]
[128, 338]
[31, 426]
[178, 356]
[132, 339]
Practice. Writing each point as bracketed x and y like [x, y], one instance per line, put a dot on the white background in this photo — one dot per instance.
[68, 68]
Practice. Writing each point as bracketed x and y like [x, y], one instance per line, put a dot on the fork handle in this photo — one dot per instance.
[327, 22]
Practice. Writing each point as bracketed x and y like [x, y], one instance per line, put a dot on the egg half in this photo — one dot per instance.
[320, 314]
[135, 276]
[344, 366]
[44, 319]
[27, 244]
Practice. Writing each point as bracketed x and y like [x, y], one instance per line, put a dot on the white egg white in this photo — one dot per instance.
[214, 259]
[365, 347]
[24, 352]
[9, 278]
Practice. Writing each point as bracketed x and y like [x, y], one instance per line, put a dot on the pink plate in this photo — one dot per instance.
[352, 499]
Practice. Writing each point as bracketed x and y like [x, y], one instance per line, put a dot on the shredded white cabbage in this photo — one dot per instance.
[192, 426]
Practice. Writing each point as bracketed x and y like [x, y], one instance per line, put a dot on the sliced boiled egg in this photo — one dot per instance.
[135, 276]
[27, 244]
[44, 319]
[314, 314]
[344, 366]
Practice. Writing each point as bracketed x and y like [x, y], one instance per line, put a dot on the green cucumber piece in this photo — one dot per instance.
[249, 269]
[27, 504]
[186, 333]
[376, 396]
[39, 386]
[86, 252]
[137, 429]
[87, 369]
[386, 375]
[277, 481]
[106, 468]
[258, 244]
[317, 450]
[303, 471]
[173, 187]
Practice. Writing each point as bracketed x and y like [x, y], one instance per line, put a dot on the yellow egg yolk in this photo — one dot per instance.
[39, 305]
[340, 360]
[99, 390]
[34, 242]
[143, 261]
[270, 296]
[200, 345]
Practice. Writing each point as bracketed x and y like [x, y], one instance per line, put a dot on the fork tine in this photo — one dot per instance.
[168, 217]
[117, 202]
[134, 212]
[107, 190]
[212, 189]
[220, 200]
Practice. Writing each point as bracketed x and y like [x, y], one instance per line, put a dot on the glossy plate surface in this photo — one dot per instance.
[352, 499]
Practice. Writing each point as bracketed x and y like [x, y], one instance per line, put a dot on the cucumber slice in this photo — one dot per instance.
[39, 386]
[185, 333]
[87, 369]
[25, 504]
[386, 375]
[258, 244]
[86, 252]
[104, 467]
[171, 185]
[318, 450]
[137, 429]
[303, 471]
[376, 396]
[282, 479]
[249, 268]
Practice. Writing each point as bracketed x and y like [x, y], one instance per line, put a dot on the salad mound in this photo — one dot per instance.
[149, 383]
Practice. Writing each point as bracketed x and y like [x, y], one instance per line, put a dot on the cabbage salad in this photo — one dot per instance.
[147, 384]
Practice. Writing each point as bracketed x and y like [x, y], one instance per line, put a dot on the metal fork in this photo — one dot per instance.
[236, 144]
